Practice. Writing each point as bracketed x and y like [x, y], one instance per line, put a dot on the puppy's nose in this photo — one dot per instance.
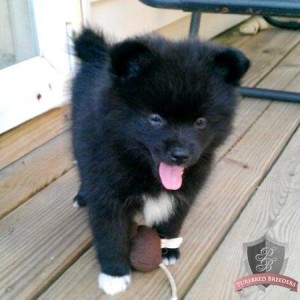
[180, 155]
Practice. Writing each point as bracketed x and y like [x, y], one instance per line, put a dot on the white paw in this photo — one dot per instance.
[75, 204]
[169, 261]
[112, 285]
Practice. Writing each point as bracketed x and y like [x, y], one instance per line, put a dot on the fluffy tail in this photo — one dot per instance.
[90, 46]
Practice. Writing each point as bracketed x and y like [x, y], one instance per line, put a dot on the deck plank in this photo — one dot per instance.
[233, 181]
[273, 210]
[31, 173]
[41, 238]
[19, 141]
[266, 50]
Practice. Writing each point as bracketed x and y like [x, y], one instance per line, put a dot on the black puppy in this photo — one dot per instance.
[148, 115]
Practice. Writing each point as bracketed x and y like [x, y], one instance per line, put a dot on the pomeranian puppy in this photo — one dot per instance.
[148, 115]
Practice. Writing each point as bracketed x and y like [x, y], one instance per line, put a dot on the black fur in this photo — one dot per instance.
[135, 104]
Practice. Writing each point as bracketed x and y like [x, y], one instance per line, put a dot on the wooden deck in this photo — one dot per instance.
[45, 244]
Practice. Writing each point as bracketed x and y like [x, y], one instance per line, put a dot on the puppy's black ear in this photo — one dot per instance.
[232, 63]
[129, 58]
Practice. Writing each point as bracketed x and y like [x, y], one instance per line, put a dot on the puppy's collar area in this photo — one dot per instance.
[171, 243]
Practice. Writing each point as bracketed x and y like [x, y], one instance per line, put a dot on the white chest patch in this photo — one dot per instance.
[158, 210]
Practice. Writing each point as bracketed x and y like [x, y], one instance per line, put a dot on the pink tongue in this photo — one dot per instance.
[170, 176]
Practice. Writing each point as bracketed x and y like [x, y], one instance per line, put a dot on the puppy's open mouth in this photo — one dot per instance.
[170, 176]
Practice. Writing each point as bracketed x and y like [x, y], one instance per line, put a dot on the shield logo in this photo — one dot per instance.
[265, 255]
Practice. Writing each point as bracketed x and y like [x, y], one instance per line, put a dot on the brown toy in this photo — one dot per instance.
[145, 254]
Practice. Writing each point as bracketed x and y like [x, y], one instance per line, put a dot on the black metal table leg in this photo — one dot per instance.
[195, 24]
[269, 94]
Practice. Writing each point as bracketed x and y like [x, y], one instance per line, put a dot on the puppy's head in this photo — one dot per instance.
[175, 100]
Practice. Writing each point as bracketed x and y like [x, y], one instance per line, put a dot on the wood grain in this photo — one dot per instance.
[232, 183]
[31, 173]
[23, 139]
[273, 210]
[40, 239]
[232, 37]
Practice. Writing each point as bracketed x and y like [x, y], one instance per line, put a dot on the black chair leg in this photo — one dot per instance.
[195, 24]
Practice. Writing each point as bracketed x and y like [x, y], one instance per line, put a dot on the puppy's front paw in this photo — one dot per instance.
[79, 200]
[112, 285]
[170, 256]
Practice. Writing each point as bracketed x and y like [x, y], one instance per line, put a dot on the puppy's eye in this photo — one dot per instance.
[200, 123]
[156, 120]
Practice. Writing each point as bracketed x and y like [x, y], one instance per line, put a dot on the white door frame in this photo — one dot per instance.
[31, 87]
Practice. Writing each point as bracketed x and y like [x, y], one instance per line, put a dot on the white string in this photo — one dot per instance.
[172, 244]
[171, 280]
